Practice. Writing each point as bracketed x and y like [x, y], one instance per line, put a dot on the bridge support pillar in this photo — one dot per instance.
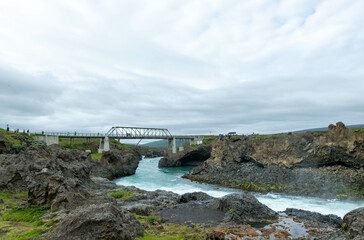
[104, 145]
[49, 140]
[197, 140]
[172, 144]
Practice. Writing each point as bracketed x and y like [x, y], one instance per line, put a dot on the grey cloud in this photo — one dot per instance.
[193, 67]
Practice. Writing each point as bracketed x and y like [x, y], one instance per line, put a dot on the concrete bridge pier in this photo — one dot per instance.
[172, 144]
[49, 140]
[197, 140]
[104, 145]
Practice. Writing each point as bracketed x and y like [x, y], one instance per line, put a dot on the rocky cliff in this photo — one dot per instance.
[327, 164]
[188, 157]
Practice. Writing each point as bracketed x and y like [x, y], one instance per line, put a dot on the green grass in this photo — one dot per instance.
[24, 223]
[12, 200]
[14, 230]
[31, 234]
[207, 140]
[5, 195]
[96, 156]
[123, 195]
[29, 214]
[170, 231]
[11, 140]
[83, 144]
[358, 130]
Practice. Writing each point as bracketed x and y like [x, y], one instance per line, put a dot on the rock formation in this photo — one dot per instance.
[244, 208]
[189, 157]
[97, 221]
[328, 164]
[116, 163]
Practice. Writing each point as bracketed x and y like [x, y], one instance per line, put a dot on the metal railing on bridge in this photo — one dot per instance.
[123, 133]
[74, 134]
[137, 132]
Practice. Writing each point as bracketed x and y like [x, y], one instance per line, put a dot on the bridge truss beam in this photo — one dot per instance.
[140, 133]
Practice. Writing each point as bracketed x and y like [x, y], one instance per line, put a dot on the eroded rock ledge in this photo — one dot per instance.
[327, 164]
[189, 157]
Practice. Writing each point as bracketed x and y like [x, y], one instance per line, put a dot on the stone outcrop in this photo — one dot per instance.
[97, 221]
[40, 164]
[244, 208]
[60, 178]
[339, 146]
[188, 157]
[154, 153]
[353, 223]
[116, 163]
[330, 219]
[327, 164]
[352, 227]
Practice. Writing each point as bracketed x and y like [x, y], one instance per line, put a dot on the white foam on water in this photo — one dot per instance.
[149, 177]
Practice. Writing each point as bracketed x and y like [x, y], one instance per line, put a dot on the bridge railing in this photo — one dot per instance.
[74, 134]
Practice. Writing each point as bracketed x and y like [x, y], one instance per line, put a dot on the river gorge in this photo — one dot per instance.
[149, 177]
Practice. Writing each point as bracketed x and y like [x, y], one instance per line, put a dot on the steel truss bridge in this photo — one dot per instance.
[126, 133]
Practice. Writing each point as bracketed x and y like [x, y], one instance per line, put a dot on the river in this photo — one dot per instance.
[149, 177]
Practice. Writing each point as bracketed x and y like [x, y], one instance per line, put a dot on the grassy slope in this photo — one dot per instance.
[17, 141]
[83, 144]
[21, 223]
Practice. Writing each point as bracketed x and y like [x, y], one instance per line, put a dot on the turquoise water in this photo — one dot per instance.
[149, 177]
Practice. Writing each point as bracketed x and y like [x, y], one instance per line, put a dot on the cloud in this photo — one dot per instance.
[190, 66]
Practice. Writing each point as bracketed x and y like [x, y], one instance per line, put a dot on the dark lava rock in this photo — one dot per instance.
[189, 157]
[116, 163]
[37, 165]
[59, 178]
[184, 214]
[244, 208]
[195, 196]
[352, 227]
[97, 221]
[330, 219]
[154, 154]
[353, 223]
[144, 202]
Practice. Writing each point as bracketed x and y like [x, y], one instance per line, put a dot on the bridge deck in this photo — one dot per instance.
[118, 136]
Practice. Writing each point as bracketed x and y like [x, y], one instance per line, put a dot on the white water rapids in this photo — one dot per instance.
[149, 177]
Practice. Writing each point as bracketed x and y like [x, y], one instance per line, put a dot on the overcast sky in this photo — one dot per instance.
[189, 66]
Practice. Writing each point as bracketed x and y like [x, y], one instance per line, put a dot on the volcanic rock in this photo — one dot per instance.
[244, 208]
[116, 163]
[97, 221]
[353, 223]
[189, 157]
[330, 219]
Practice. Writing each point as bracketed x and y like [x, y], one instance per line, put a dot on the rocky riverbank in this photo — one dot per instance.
[53, 188]
[325, 164]
[53, 193]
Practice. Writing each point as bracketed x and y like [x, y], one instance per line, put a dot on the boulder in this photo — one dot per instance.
[353, 223]
[244, 208]
[37, 165]
[97, 221]
[331, 219]
[154, 153]
[116, 163]
[60, 181]
[195, 196]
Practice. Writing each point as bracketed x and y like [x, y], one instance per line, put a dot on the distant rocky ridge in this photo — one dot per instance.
[327, 164]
